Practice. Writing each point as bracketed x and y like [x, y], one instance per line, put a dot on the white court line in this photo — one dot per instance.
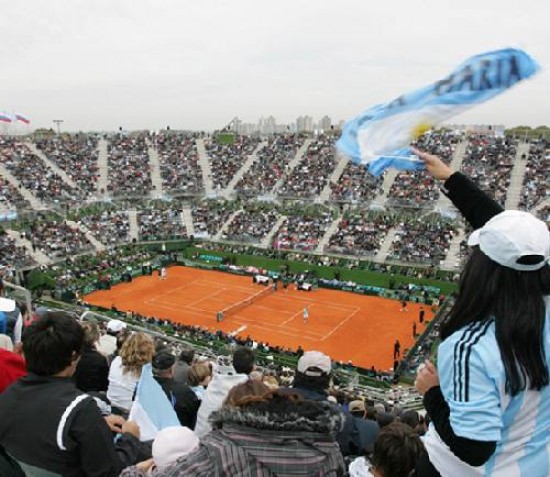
[295, 315]
[340, 324]
[153, 300]
[275, 329]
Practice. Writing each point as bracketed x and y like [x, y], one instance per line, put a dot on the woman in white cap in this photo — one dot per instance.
[489, 396]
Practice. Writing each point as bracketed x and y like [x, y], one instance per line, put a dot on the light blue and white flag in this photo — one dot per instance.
[151, 409]
[379, 138]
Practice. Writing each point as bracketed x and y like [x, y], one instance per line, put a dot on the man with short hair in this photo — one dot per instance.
[47, 423]
[183, 399]
[185, 360]
[223, 379]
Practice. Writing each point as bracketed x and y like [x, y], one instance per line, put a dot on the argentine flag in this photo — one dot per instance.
[151, 410]
[379, 138]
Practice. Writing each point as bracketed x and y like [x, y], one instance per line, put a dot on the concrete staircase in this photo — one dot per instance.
[103, 167]
[38, 256]
[329, 233]
[266, 242]
[335, 177]
[452, 259]
[204, 164]
[156, 179]
[225, 226]
[134, 228]
[36, 203]
[513, 194]
[60, 172]
[186, 217]
[248, 163]
[382, 254]
[100, 247]
[292, 164]
[389, 177]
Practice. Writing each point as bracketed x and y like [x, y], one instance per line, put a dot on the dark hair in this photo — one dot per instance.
[243, 360]
[315, 383]
[397, 450]
[411, 418]
[515, 300]
[51, 343]
[187, 355]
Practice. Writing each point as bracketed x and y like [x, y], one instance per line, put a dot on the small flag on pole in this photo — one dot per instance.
[5, 117]
[379, 138]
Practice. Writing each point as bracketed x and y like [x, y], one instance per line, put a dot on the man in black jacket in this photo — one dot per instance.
[183, 398]
[47, 423]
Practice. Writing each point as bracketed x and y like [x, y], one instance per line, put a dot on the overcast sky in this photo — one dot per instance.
[101, 64]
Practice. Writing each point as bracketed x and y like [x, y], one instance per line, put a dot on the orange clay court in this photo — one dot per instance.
[345, 325]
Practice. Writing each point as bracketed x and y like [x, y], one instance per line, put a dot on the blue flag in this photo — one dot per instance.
[379, 138]
[151, 409]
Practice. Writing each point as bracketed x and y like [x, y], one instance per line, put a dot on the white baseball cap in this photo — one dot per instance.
[314, 363]
[511, 235]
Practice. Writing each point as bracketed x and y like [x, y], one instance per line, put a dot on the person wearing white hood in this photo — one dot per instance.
[223, 379]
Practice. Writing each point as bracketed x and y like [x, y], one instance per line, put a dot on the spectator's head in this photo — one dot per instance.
[357, 408]
[115, 326]
[199, 374]
[396, 451]
[246, 393]
[137, 350]
[187, 355]
[384, 419]
[411, 418]
[243, 360]
[313, 371]
[171, 443]
[379, 408]
[163, 364]
[53, 344]
[91, 333]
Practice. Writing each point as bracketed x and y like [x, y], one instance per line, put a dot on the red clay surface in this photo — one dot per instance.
[345, 325]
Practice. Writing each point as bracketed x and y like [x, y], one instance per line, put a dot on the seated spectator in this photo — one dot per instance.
[107, 344]
[183, 399]
[125, 371]
[185, 359]
[263, 432]
[200, 374]
[92, 371]
[47, 424]
[396, 452]
[223, 379]
[170, 444]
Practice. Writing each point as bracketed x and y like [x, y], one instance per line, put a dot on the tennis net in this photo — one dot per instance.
[232, 309]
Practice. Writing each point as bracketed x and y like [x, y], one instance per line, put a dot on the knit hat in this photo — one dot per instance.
[171, 443]
[511, 235]
[314, 363]
[163, 360]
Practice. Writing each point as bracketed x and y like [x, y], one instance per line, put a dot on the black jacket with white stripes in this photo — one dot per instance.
[48, 423]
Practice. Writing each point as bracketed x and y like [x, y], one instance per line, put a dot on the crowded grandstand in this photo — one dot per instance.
[85, 212]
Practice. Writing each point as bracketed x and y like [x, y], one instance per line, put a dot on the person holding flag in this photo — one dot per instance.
[488, 396]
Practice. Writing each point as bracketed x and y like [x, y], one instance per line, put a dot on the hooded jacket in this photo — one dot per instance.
[276, 438]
